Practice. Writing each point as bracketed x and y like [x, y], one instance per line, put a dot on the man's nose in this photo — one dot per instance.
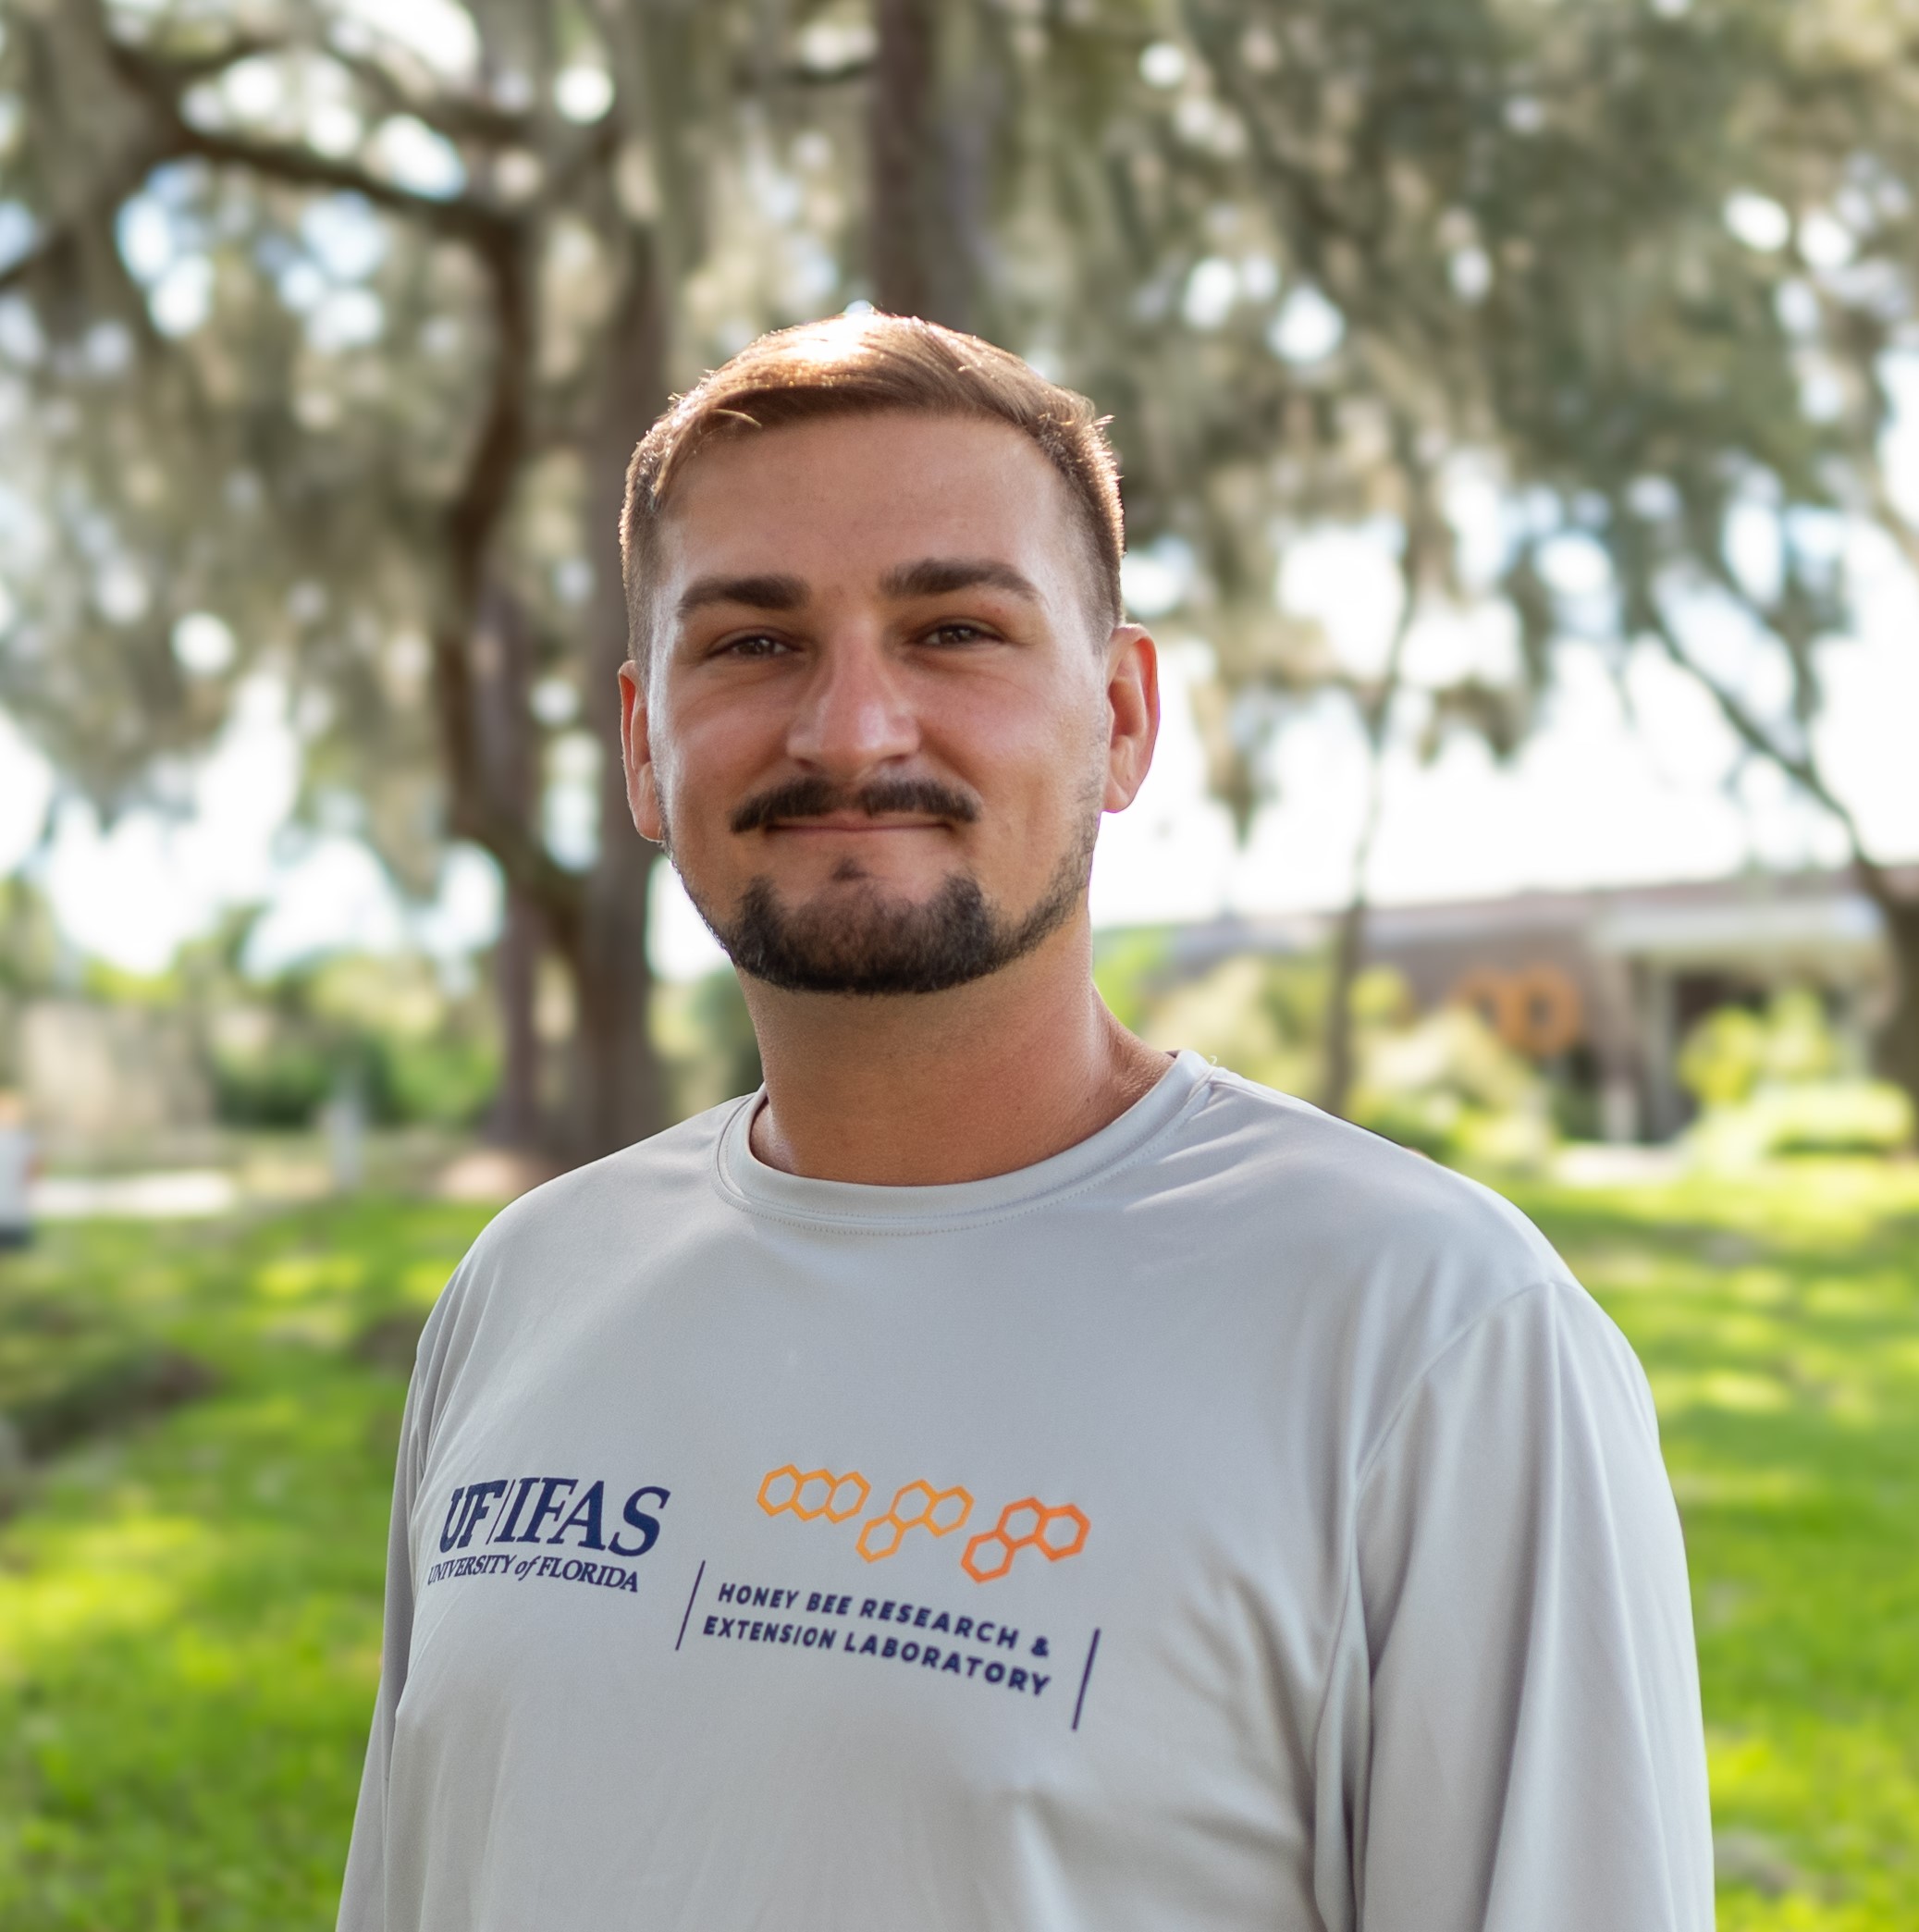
[854, 715]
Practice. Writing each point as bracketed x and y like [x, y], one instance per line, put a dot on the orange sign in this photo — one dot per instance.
[1536, 1011]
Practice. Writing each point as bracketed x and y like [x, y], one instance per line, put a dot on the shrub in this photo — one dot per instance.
[1774, 1083]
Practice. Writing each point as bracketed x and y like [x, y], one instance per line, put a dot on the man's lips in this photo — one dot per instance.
[855, 822]
[813, 804]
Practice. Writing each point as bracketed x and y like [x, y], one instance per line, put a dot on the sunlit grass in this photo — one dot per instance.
[1778, 1320]
[189, 1614]
[188, 1610]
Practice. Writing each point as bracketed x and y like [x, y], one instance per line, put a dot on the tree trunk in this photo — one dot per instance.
[1375, 720]
[1897, 1044]
[503, 670]
[929, 146]
[1350, 949]
[618, 1092]
[1348, 957]
[902, 128]
[514, 1119]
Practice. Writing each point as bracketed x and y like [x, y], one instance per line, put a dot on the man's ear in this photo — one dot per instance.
[1133, 701]
[636, 756]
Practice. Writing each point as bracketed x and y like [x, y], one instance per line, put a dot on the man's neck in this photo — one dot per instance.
[920, 1089]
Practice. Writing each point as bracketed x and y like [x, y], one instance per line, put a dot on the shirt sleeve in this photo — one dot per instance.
[1513, 1737]
[362, 1906]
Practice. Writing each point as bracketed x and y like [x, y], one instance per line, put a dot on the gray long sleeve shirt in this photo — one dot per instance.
[1231, 1523]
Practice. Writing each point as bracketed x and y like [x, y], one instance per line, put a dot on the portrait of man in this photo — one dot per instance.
[998, 1474]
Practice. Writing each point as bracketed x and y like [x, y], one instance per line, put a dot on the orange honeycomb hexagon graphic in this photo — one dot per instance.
[988, 1557]
[916, 1505]
[816, 1493]
[1019, 1522]
[1056, 1533]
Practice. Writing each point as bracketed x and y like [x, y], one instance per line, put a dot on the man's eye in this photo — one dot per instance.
[758, 645]
[956, 632]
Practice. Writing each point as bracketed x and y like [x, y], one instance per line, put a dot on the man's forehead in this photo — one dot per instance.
[880, 494]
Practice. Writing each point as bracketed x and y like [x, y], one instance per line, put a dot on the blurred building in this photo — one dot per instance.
[94, 1073]
[1602, 986]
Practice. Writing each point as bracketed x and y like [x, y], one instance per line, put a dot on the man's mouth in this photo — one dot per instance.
[812, 803]
[856, 823]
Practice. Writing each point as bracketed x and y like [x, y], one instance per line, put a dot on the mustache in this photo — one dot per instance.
[816, 797]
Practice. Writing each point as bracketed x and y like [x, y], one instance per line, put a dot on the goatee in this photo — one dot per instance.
[866, 942]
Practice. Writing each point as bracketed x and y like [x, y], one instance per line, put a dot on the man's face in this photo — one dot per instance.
[878, 723]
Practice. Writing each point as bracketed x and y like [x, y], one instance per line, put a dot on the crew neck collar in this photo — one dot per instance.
[751, 1184]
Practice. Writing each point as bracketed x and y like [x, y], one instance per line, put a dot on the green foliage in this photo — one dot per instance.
[1806, 1117]
[1127, 967]
[446, 1081]
[278, 1084]
[30, 953]
[705, 1035]
[1260, 1016]
[1734, 1050]
[1724, 1056]
[30, 943]
[1624, 281]
[1770, 1083]
[1443, 1084]
[283, 1083]
[382, 1028]
[1447, 1086]
[1510, 223]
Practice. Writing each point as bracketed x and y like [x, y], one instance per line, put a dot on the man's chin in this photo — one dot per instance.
[856, 938]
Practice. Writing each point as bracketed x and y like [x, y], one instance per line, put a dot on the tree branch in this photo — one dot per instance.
[1754, 736]
[476, 810]
[160, 85]
[191, 68]
[801, 74]
[471, 520]
[51, 243]
[457, 119]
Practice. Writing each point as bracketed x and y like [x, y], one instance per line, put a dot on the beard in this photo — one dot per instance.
[869, 942]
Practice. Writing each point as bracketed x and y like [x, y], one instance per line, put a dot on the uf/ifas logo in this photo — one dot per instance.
[501, 1507]
[1056, 1531]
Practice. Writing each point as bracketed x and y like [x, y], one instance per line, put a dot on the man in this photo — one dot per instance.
[16, 1166]
[997, 1475]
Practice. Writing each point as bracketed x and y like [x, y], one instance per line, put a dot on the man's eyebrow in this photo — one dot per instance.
[763, 592]
[935, 576]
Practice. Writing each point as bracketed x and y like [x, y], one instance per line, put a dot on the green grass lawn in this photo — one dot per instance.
[188, 1604]
[1778, 1321]
[190, 1609]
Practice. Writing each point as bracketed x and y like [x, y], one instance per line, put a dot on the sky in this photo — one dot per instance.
[1593, 797]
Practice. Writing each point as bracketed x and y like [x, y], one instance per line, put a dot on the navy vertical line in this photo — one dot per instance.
[688, 1617]
[1086, 1677]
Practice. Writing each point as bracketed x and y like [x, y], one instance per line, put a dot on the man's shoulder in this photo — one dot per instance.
[624, 1192]
[593, 1220]
[1396, 1253]
[562, 1246]
[1321, 1178]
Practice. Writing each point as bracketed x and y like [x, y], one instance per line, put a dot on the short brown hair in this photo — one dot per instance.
[856, 366]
